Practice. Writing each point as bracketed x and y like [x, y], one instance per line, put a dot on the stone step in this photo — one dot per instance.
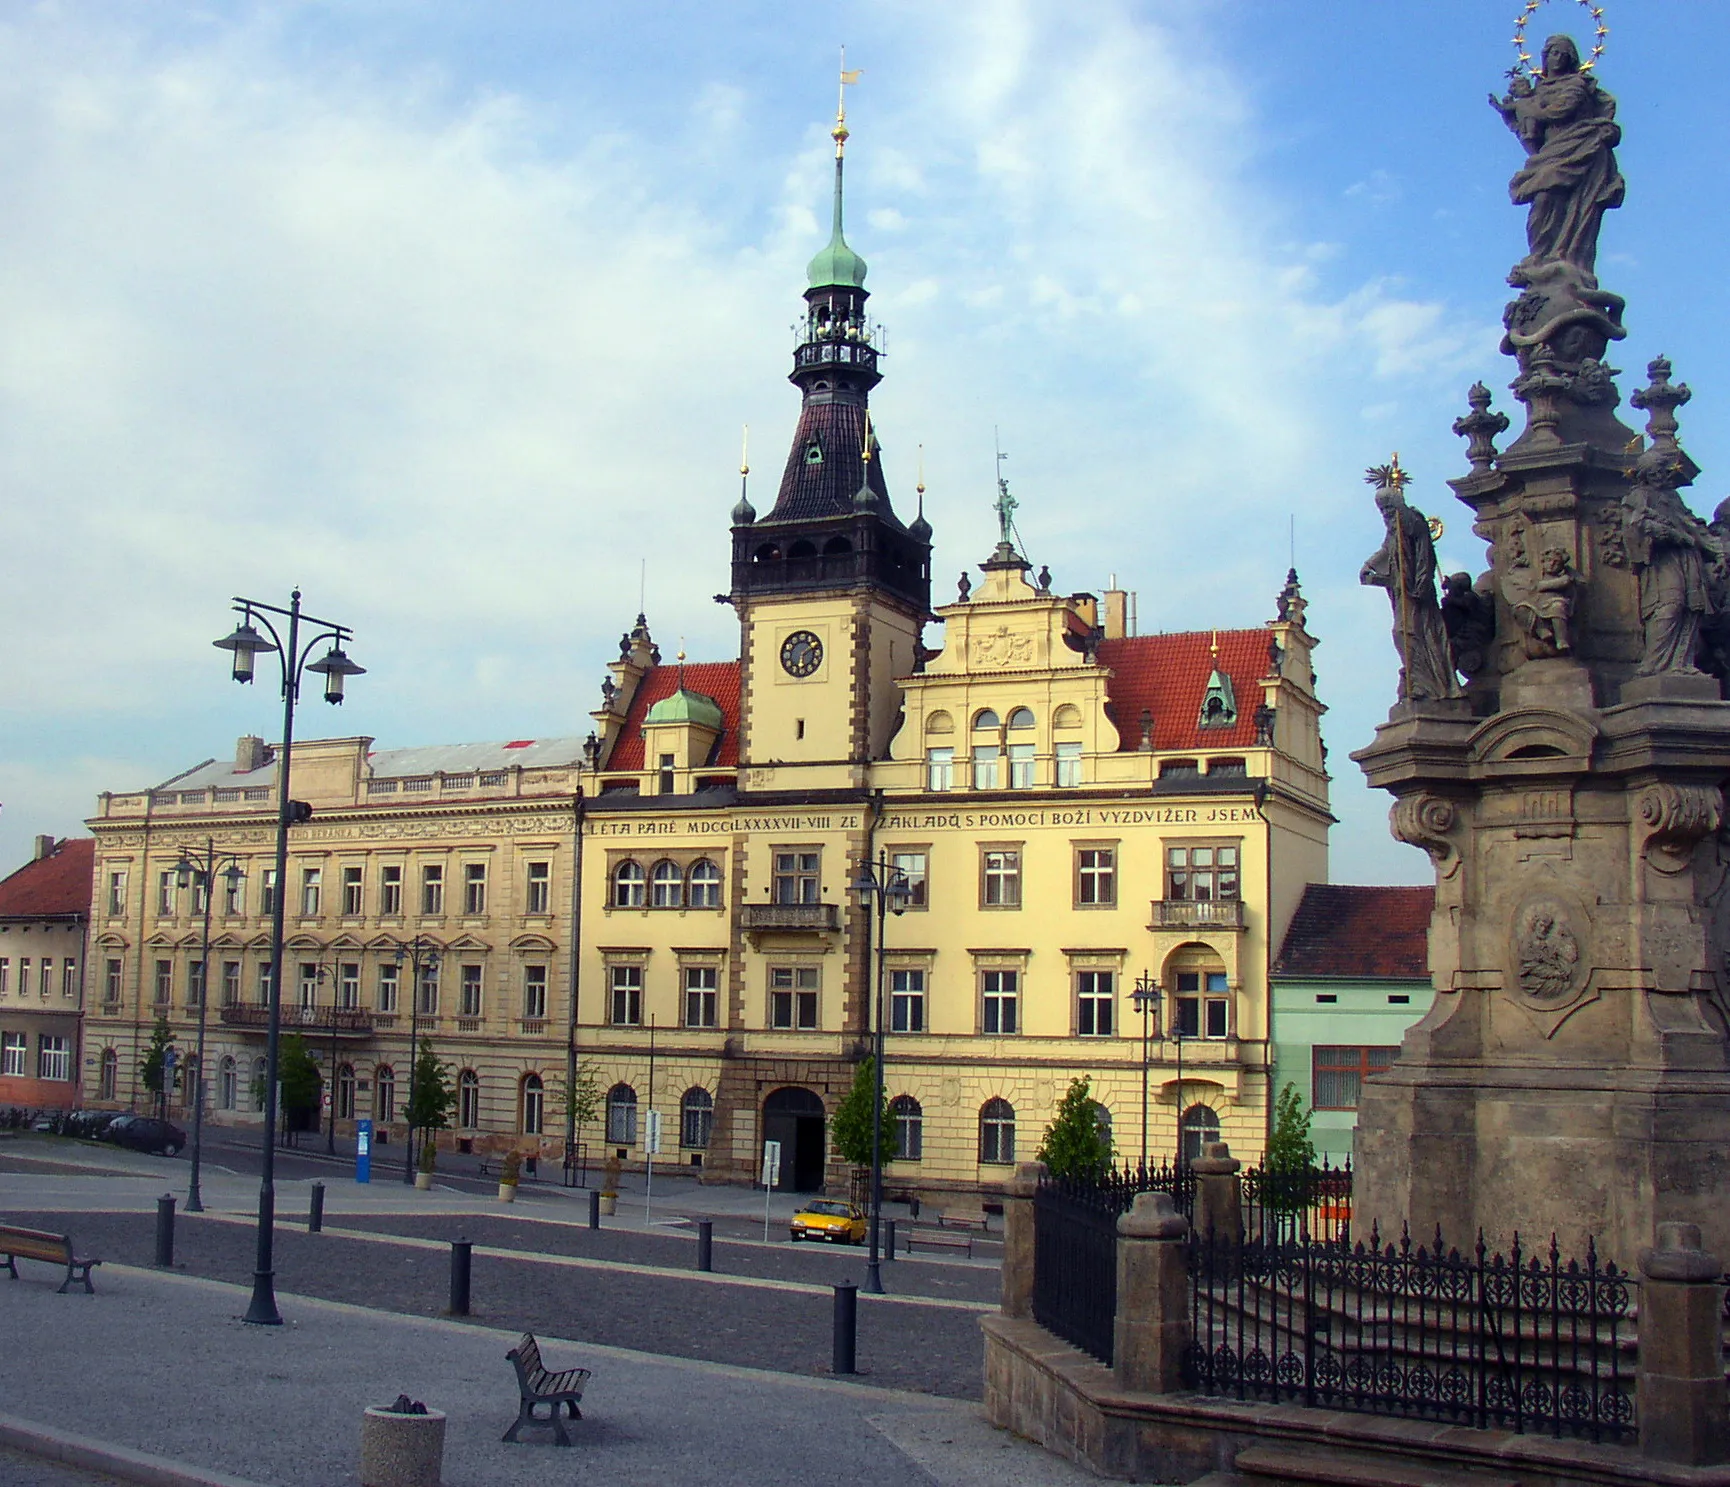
[1222, 1479]
[1290, 1466]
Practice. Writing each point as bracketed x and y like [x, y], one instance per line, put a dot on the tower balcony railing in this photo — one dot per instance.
[828, 353]
[808, 917]
[1191, 913]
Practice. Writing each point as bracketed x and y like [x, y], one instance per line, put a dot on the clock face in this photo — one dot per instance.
[801, 653]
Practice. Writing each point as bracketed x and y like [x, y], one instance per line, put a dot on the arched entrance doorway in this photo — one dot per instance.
[794, 1117]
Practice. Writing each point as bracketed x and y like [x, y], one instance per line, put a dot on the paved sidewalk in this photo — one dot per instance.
[177, 1374]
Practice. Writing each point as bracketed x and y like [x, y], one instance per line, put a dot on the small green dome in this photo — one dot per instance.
[687, 707]
[837, 265]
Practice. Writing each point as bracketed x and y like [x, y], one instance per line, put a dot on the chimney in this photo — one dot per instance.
[44, 847]
[1116, 612]
[250, 754]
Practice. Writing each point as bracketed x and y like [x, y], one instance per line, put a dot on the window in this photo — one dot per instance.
[1200, 1127]
[429, 990]
[1337, 1074]
[468, 1100]
[703, 887]
[1096, 877]
[195, 983]
[53, 1056]
[117, 893]
[1203, 1004]
[474, 888]
[310, 878]
[913, 868]
[384, 1093]
[797, 877]
[621, 1115]
[390, 891]
[231, 983]
[1068, 765]
[14, 1050]
[164, 979]
[227, 1084]
[1021, 718]
[1094, 995]
[352, 886]
[1000, 871]
[389, 981]
[702, 996]
[534, 1105]
[940, 769]
[666, 885]
[628, 885]
[997, 1132]
[233, 891]
[1001, 991]
[24, 977]
[6, 976]
[45, 977]
[69, 979]
[311, 978]
[625, 996]
[793, 997]
[1021, 766]
[469, 995]
[264, 983]
[432, 889]
[540, 895]
[348, 985]
[267, 891]
[907, 1001]
[165, 893]
[1201, 873]
[985, 762]
[696, 1118]
[345, 1092]
[664, 775]
[909, 1120]
[111, 980]
[987, 722]
[534, 992]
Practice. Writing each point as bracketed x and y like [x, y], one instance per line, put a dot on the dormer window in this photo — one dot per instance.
[1219, 702]
[813, 453]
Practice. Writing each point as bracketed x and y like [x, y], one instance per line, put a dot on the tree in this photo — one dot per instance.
[152, 1071]
[581, 1101]
[1290, 1155]
[1077, 1143]
[297, 1072]
[851, 1129]
[430, 1106]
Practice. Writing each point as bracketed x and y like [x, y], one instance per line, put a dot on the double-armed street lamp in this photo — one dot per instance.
[247, 643]
[421, 955]
[883, 886]
[203, 871]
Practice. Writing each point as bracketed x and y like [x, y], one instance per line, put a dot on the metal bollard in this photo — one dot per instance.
[846, 1327]
[705, 1244]
[462, 1259]
[889, 1239]
[315, 1213]
[594, 1208]
[165, 1232]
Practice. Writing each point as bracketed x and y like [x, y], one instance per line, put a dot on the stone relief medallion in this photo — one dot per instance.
[1002, 648]
[1547, 959]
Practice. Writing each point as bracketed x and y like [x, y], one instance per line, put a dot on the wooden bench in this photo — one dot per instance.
[536, 1386]
[56, 1249]
[975, 1223]
[939, 1239]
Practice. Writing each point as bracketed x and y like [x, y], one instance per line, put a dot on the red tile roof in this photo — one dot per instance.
[1167, 674]
[1346, 930]
[58, 884]
[716, 679]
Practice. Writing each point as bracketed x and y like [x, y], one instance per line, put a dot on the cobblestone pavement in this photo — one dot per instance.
[929, 1346]
[19, 1470]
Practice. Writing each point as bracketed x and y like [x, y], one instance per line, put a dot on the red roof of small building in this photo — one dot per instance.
[58, 884]
[1343, 929]
[716, 679]
[1168, 675]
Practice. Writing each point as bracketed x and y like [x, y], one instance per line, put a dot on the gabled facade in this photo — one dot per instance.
[44, 915]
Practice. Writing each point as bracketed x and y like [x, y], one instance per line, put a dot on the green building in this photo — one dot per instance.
[1352, 975]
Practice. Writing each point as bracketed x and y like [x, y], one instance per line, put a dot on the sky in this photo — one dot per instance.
[452, 315]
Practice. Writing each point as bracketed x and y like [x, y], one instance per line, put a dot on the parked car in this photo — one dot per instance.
[831, 1219]
[146, 1133]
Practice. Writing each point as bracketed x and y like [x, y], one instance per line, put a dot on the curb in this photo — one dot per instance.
[116, 1461]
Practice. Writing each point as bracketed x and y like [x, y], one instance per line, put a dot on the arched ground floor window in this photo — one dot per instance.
[621, 1116]
[534, 1105]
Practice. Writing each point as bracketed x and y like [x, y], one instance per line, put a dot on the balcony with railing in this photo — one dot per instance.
[809, 918]
[1197, 913]
[343, 1022]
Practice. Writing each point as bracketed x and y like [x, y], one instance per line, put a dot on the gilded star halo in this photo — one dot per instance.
[1600, 34]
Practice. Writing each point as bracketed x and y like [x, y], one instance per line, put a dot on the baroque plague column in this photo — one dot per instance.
[1572, 1077]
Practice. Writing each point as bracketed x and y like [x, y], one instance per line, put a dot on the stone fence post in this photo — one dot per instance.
[1152, 1328]
[1681, 1399]
[1018, 1239]
[1218, 1193]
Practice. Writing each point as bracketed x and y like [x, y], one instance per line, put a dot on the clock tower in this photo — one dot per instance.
[831, 589]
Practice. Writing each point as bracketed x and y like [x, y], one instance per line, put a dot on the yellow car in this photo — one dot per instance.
[826, 1218]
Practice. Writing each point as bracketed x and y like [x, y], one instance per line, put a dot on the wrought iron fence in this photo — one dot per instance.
[1298, 1203]
[1518, 1342]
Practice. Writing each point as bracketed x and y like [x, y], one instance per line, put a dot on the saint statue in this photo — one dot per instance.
[1672, 551]
[1567, 124]
[1405, 565]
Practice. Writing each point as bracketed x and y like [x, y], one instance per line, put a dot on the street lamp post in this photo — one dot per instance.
[203, 871]
[1146, 997]
[883, 886]
[246, 645]
[421, 954]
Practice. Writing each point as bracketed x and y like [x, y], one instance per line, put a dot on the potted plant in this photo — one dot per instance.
[509, 1170]
[428, 1161]
[610, 1185]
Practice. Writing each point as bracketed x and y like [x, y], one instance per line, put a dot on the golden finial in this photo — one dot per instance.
[1216, 647]
[867, 436]
[839, 132]
[744, 451]
[920, 487]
